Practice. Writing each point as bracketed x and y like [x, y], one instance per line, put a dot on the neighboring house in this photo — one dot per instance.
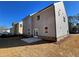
[27, 25]
[17, 28]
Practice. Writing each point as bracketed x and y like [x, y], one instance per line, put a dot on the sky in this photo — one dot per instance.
[15, 11]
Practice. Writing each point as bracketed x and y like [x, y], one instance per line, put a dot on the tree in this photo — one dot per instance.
[73, 24]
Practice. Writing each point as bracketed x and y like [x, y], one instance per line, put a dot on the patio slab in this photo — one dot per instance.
[31, 40]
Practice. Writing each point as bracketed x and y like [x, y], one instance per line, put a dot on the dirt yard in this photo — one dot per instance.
[68, 47]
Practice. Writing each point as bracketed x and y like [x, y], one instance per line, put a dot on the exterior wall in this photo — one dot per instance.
[46, 20]
[12, 30]
[20, 27]
[61, 20]
[16, 28]
[27, 25]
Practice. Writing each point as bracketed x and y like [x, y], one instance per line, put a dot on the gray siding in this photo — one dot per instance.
[46, 20]
[61, 23]
[27, 25]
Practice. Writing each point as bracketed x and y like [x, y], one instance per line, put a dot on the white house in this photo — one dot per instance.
[51, 23]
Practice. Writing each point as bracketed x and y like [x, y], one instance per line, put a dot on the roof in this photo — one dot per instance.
[43, 9]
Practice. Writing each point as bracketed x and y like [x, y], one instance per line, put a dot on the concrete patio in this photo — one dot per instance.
[31, 40]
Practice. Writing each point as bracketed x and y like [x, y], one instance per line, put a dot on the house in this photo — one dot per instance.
[51, 23]
[17, 28]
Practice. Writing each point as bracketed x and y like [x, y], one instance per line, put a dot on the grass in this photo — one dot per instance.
[68, 47]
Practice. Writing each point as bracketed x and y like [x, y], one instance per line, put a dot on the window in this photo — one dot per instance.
[28, 33]
[38, 17]
[46, 28]
[20, 25]
[28, 29]
[59, 12]
[36, 33]
[46, 31]
[64, 19]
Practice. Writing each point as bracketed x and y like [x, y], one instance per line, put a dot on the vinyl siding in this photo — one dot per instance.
[46, 20]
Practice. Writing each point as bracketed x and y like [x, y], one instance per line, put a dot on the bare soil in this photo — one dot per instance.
[68, 47]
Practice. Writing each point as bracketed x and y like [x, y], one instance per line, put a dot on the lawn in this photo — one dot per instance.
[68, 47]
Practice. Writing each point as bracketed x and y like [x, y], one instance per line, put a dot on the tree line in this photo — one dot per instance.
[73, 24]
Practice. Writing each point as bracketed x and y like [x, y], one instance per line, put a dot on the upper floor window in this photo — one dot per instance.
[28, 29]
[64, 19]
[46, 28]
[59, 12]
[46, 31]
[20, 25]
[38, 17]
